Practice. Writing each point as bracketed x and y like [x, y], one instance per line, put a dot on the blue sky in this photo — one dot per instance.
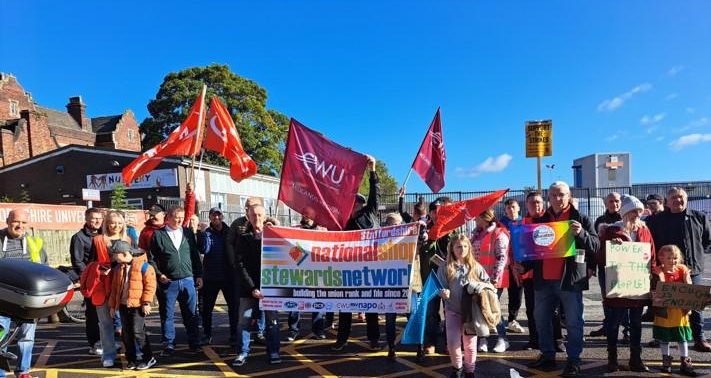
[614, 76]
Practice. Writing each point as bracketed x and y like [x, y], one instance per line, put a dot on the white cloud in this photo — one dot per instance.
[675, 70]
[651, 120]
[490, 165]
[671, 96]
[690, 140]
[695, 124]
[617, 101]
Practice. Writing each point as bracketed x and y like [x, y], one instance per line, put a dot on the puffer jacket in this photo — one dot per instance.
[141, 286]
[481, 310]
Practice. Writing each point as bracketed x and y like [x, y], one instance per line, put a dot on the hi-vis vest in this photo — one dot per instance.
[487, 256]
[34, 245]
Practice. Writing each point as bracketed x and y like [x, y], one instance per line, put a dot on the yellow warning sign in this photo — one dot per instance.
[539, 138]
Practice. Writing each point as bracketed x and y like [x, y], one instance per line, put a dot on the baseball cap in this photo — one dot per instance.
[155, 209]
[215, 210]
[654, 197]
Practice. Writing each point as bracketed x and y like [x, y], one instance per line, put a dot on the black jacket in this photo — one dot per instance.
[696, 235]
[575, 275]
[607, 218]
[80, 248]
[246, 262]
[367, 217]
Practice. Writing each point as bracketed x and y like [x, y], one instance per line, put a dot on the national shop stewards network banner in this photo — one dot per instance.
[349, 271]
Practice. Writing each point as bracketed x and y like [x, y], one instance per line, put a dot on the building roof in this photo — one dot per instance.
[60, 119]
[105, 124]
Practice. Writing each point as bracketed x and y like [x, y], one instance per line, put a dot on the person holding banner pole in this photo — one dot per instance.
[246, 261]
[515, 290]
[630, 229]
[490, 244]
[363, 216]
[563, 280]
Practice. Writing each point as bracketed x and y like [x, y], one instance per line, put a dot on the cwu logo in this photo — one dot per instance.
[321, 168]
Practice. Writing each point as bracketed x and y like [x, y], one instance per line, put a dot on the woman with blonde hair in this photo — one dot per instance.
[114, 230]
[461, 270]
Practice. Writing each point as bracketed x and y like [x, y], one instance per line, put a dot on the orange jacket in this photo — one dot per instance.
[141, 286]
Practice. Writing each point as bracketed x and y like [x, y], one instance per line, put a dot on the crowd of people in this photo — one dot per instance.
[191, 263]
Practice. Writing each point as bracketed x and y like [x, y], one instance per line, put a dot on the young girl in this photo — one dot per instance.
[461, 269]
[675, 325]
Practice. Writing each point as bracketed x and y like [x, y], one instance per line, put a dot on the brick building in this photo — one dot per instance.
[28, 129]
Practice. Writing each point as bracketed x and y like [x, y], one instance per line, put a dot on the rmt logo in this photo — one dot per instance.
[321, 170]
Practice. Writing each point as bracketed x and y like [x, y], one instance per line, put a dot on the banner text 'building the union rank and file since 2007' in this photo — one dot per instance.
[349, 271]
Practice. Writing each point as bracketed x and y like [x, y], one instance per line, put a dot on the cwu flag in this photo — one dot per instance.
[415, 328]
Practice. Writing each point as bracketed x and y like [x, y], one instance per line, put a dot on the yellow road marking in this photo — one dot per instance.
[217, 361]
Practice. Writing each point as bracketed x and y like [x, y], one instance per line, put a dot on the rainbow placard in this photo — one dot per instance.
[540, 241]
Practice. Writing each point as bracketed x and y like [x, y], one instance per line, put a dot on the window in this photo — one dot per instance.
[130, 135]
[14, 108]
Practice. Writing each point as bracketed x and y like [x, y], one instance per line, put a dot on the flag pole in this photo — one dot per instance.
[201, 120]
[409, 173]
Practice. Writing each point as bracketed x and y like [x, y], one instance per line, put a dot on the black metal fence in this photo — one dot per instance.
[590, 201]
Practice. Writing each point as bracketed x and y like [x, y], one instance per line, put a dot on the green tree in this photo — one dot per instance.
[388, 184]
[118, 197]
[4, 198]
[262, 131]
[24, 196]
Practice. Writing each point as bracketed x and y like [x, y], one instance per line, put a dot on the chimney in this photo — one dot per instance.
[77, 110]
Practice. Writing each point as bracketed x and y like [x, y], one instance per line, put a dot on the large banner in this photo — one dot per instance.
[540, 241]
[154, 179]
[349, 271]
[627, 269]
[62, 217]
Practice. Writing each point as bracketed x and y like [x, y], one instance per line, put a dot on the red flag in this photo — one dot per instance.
[221, 136]
[320, 178]
[449, 217]
[429, 162]
[184, 140]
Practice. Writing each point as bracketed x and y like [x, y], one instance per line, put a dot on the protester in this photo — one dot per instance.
[247, 265]
[673, 324]
[515, 290]
[427, 252]
[490, 247]
[363, 216]
[80, 248]
[238, 227]
[217, 276]
[317, 317]
[392, 219]
[460, 271]
[630, 229]
[194, 224]
[690, 231]
[175, 258]
[611, 216]
[156, 220]
[133, 285]
[16, 244]
[562, 280]
[654, 204]
[96, 279]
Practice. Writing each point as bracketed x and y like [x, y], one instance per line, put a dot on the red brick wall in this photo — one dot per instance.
[14, 145]
[126, 124]
[41, 140]
[10, 89]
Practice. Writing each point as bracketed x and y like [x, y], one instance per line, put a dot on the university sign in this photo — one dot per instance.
[155, 179]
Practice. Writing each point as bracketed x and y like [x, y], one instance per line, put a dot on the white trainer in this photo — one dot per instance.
[501, 345]
[482, 345]
[514, 327]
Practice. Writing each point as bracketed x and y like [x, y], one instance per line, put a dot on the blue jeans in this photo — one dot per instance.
[261, 320]
[548, 295]
[247, 306]
[696, 318]
[182, 290]
[625, 315]
[25, 343]
[106, 332]
[317, 322]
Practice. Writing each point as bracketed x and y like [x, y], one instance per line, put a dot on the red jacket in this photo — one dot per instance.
[615, 231]
[144, 240]
[93, 283]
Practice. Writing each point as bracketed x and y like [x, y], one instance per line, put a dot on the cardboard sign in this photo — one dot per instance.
[90, 195]
[539, 138]
[681, 295]
[627, 270]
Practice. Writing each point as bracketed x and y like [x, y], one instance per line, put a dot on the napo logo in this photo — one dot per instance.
[543, 235]
[318, 305]
[320, 168]
[290, 304]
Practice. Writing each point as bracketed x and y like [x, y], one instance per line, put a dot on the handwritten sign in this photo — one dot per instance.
[627, 270]
[681, 295]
